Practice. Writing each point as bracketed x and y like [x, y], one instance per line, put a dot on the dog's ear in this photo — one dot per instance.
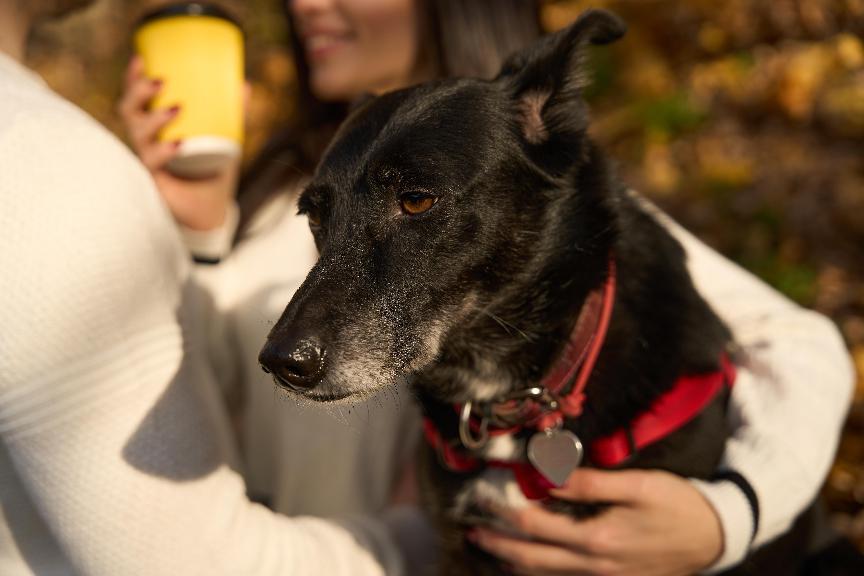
[548, 76]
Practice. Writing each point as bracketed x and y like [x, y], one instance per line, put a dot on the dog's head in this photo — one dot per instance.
[430, 201]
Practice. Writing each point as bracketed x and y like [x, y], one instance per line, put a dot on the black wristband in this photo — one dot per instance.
[205, 260]
[748, 492]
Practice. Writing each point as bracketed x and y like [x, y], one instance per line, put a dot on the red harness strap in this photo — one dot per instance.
[534, 485]
[672, 410]
[451, 456]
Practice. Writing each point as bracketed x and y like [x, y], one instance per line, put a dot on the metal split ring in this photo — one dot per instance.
[466, 435]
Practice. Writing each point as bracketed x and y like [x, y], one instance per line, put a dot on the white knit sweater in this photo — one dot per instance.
[115, 456]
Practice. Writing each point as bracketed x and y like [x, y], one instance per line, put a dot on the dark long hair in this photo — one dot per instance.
[456, 38]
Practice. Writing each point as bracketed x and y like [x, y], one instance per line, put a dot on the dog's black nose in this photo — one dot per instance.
[298, 365]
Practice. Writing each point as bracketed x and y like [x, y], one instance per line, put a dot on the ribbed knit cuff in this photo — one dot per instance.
[736, 519]
[210, 246]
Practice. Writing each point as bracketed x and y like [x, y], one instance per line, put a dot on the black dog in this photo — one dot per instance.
[476, 246]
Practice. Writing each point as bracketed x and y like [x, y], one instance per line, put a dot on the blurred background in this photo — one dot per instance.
[743, 118]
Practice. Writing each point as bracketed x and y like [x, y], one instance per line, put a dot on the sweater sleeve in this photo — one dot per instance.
[107, 412]
[788, 405]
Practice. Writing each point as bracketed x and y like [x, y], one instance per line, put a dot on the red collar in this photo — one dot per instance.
[577, 361]
[563, 397]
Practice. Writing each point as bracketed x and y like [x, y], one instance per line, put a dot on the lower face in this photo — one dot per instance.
[362, 47]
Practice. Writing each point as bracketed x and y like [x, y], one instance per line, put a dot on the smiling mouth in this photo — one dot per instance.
[319, 46]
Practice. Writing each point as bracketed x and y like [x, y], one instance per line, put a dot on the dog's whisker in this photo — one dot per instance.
[507, 326]
[342, 416]
[498, 321]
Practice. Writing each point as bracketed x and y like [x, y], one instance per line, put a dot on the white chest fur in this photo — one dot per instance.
[495, 487]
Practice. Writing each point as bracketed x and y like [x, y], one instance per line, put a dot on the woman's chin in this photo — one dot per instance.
[331, 86]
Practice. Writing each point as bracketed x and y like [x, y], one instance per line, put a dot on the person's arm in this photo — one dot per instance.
[787, 409]
[788, 405]
[115, 432]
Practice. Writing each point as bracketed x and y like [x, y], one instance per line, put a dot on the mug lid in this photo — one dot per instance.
[187, 9]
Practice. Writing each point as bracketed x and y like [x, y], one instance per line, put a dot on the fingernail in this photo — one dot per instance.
[157, 83]
[177, 143]
[174, 110]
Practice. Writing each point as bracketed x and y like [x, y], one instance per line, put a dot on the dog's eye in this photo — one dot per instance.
[415, 203]
[314, 218]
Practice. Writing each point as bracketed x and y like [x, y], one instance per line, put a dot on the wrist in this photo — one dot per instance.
[206, 218]
[735, 505]
[210, 246]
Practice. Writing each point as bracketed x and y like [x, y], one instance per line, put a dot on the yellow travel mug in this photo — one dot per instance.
[197, 50]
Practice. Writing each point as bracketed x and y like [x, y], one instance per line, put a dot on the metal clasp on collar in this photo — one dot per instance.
[476, 440]
[522, 406]
[538, 394]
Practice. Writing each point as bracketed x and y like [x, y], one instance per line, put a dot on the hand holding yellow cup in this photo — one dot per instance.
[196, 49]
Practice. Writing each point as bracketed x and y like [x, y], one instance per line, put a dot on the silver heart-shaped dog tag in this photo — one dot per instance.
[555, 454]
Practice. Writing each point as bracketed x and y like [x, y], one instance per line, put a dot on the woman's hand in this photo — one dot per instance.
[199, 204]
[657, 524]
